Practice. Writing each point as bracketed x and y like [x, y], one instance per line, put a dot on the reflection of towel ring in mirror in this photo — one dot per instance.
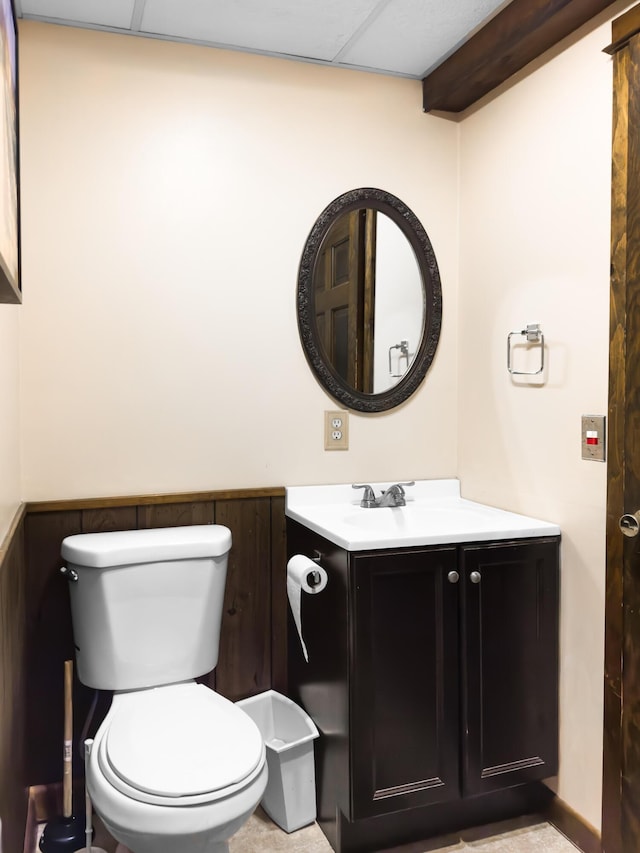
[533, 334]
[403, 346]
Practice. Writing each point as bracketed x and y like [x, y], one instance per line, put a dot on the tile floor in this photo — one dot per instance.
[261, 835]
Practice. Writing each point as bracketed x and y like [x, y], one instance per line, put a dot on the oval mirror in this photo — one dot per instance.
[369, 300]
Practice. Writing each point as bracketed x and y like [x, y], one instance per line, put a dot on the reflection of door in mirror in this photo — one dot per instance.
[344, 297]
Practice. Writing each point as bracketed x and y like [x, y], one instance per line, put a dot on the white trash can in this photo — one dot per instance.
[288, 733]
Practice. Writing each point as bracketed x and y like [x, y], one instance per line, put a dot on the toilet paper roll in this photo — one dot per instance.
[303, 575]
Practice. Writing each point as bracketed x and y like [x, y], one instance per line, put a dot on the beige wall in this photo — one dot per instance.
[9, 416]
[167, 194]
[535, 223]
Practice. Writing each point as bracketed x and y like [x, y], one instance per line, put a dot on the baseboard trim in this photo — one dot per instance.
[572, 826]
[31, 827]
[7, 542]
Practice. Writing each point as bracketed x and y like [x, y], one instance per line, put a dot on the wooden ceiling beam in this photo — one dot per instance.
[518, 34]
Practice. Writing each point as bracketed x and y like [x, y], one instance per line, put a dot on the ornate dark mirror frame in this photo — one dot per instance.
[411, 227]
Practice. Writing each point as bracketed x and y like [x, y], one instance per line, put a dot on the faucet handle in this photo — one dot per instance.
[394, 495]
[400, 485]
[368, 498]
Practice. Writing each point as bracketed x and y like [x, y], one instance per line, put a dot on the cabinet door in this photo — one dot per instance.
[404, 681]
[509, 597]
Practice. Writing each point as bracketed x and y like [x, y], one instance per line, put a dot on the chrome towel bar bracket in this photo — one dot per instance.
[533, 334]
[403, 355]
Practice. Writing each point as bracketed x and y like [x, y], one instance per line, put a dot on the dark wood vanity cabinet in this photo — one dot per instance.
[432, 676]
[454, 678]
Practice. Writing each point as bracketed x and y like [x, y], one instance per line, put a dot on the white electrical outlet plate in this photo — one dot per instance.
[593, 437]
[336, 430]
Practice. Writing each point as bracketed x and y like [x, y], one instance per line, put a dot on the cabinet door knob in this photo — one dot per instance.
[475, 577]
[453, 577]
[630, 524]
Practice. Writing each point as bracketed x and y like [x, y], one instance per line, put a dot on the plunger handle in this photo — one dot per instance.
[67, 794]
[88, 831]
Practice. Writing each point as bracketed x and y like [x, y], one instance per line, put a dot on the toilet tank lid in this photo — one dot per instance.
[124, 547]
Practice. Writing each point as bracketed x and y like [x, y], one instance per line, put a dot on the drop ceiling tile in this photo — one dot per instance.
[411, 36]
[315, 29]
[114, 13]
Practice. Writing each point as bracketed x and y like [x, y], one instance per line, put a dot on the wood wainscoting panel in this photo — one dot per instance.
[49, 643]
[244, 662]
[176, 514]
[109, 518]
[252, 654]
[279, 600]
[13, 778]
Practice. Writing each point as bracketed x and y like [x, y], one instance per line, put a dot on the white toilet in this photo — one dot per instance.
[175, 768]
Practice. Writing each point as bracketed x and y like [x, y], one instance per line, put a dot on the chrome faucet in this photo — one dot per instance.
[393, 496]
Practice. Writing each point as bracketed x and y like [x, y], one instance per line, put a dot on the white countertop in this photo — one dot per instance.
[435, 514]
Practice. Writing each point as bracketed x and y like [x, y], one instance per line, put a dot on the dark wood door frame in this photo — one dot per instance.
[621, 743]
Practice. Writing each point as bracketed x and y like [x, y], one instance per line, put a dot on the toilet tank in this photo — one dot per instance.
[147, 604]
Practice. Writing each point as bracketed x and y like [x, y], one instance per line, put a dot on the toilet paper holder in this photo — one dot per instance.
[305, 576]
[315, 578]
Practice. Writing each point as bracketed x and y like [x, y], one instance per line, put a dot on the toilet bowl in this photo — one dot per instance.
[175, 767]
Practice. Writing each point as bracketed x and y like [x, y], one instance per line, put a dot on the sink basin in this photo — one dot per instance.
[435, 514]
[418, 516]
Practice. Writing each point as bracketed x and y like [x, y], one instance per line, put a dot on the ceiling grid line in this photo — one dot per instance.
[361, 29]
[136, 16]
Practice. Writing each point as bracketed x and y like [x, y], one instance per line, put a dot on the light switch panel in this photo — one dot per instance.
[593, 437]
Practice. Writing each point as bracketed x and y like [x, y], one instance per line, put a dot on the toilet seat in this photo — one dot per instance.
[179, 745]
